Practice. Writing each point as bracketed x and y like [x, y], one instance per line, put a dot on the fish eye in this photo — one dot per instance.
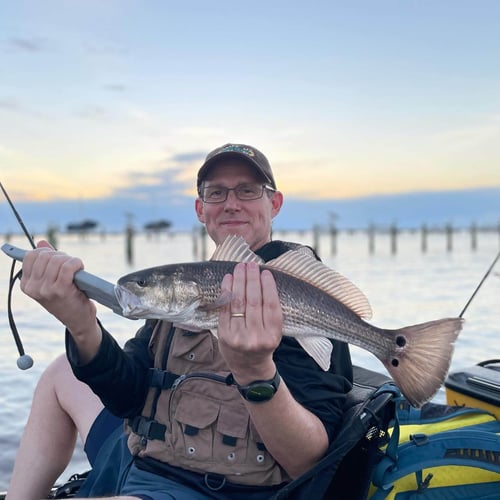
[142, 283]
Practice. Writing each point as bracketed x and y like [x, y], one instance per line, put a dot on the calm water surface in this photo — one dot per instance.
[405, 288]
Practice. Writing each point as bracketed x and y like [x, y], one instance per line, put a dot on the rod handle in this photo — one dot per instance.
[95, 288]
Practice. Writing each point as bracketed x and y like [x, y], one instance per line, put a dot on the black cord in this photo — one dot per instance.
[12, 324]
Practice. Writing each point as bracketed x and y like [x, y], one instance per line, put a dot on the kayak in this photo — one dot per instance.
[477, 386]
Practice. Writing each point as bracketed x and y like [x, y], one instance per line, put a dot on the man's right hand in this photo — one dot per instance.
[47, 277]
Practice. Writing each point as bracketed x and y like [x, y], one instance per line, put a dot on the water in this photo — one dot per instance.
[406, 288]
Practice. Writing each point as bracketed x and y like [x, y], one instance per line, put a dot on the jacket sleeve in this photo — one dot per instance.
[120, 377]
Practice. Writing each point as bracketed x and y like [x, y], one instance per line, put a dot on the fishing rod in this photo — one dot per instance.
[25, 361]
[18, 217]
[94, 287]
[480, 284]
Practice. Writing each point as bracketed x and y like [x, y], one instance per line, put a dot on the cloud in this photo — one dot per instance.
[189, 157]
[105, 49]
[31, 45]
[171, 182]
[97, 113]
[10, 104]
[13, 105]
[472, 136]
[115, 87]
[164, 183]
[9, 153]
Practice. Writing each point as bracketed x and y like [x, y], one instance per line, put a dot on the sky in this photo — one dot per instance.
[113, 104]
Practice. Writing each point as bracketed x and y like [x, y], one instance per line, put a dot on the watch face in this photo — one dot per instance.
[260, 393]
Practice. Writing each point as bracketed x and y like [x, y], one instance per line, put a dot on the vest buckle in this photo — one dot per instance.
[150, 429]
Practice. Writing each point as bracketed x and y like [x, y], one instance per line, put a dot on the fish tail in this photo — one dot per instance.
[421, 357]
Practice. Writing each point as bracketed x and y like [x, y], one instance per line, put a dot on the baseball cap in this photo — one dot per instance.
[242, 152]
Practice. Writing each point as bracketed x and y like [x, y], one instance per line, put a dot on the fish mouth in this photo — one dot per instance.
[130, 304]
[135, 307]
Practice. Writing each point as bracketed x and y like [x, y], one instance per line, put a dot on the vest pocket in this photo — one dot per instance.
[192, 427]
[210, 432]
[231, 435]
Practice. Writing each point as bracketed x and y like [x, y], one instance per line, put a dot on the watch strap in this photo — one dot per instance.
[259, 391]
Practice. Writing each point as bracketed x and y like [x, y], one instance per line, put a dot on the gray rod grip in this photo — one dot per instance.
[95, 288]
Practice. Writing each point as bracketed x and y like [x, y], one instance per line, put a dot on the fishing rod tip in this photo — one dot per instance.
[24, 362]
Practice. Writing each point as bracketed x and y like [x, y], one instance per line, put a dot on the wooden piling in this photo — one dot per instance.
[316, 233]
[203, 246]
[333, 239]
[424, 234]
[194, 239]
[129, 244]
[473, 237]
[394, 238]
[449, 237]
[52, 236]
[371, 239]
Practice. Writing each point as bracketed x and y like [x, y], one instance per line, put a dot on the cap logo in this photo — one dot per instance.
[239, 149]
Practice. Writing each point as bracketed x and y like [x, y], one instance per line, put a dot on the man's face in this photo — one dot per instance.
[250, 219]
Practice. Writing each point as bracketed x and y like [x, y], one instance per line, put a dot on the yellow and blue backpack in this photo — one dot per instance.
[386, 449]
[439, 452]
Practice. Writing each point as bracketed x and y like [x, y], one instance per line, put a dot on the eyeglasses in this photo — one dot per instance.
[244, 192]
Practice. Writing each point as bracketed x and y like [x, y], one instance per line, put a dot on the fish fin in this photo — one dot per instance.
[421, 357]
[306, 267]
[319, 348]
[223, 299]
[235, 249]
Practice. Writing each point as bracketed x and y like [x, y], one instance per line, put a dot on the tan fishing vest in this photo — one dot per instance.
[193, 418]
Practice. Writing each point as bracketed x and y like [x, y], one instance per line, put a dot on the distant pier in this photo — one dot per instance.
[324, 239]
[394, 232]
[375, 234]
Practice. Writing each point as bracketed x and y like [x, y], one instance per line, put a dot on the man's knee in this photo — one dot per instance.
[46, 387]
[75, 398]
[59, 368]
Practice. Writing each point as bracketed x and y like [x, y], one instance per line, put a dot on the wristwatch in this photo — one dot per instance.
[260, 391]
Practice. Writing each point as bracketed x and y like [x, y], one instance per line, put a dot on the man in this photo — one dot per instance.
[193, 436]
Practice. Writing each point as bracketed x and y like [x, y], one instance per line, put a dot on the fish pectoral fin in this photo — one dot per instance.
[319, 348]
[305, 267]
[223, 299]
[235, 249]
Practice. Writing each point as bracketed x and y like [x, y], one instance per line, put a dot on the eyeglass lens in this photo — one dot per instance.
[245, 192]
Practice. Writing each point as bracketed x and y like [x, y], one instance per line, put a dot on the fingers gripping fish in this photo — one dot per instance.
[318, 304]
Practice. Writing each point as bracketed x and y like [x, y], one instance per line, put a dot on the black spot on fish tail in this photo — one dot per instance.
[400, 340]
[421, 356]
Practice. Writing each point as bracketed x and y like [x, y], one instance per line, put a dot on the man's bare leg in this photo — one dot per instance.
[62, 407]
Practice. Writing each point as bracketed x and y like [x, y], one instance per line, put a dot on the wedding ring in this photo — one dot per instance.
[237, 315]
